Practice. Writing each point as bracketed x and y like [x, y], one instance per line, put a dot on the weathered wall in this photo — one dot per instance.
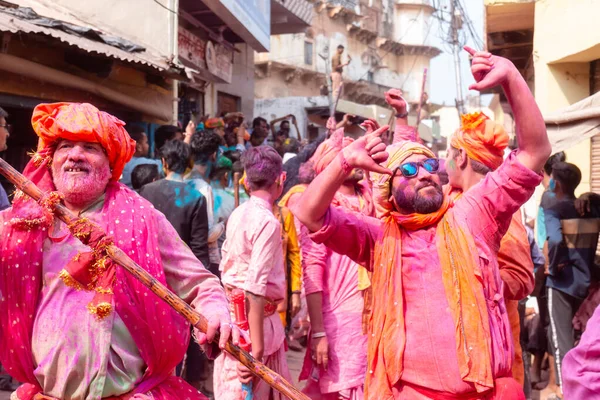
[275, 108]
[242, 84]
[562, 33]
[140, 21]
[411, 22]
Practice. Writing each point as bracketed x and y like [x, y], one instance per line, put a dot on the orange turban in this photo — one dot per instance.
[482, 139]
[329, 149]
[213, 123]
[85, 123]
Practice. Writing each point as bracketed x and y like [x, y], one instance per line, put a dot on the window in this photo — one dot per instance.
[308, 53]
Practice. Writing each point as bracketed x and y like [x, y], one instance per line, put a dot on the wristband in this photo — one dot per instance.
[346, 168]
[403, 115]
[317, 335]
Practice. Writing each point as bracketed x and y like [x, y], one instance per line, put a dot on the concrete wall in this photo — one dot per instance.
[143, 22]
[242, 84]
[401, 71]
[275, 108]
[412, 24]
[562, 33]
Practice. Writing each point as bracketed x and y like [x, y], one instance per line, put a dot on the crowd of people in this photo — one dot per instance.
[404, 276]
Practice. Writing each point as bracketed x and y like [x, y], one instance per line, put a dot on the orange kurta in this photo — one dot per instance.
[516, 271]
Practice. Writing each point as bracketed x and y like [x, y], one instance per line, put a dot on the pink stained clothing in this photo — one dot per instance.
[252, 256]
[228, 387]
[430, 357]
[313, 390]
[581, 365]
[253, 261]
[78, 357]
[336, 276]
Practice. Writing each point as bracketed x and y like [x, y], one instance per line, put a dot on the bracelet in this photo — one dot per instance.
[346, 168]
[403, 115]
[317, 335]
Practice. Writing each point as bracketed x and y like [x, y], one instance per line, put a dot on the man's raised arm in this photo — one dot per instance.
[490, 71]
[366, 153]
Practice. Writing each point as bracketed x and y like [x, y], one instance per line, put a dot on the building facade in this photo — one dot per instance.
[558, 52]
[390, 45]
[149, 62]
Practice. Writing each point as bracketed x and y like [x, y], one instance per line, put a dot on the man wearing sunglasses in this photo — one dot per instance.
[439, 327]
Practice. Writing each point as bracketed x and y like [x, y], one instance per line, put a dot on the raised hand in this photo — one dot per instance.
[394, 98]
[367, 152]
[489, 70]
[370, 125]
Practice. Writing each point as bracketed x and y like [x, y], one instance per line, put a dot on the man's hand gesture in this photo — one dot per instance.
[488, 70]
[367, 152]
[394, 98]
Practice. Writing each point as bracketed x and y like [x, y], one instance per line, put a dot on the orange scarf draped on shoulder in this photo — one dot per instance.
[464, 290]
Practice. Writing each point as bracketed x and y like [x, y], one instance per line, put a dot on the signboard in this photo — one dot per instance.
[249, 19]
[203, 55]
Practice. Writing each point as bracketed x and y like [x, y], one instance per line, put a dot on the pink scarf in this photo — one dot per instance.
[160, 334]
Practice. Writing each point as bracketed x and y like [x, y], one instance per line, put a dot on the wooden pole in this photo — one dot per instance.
[236, 188]
[421, 98]
[195, 318]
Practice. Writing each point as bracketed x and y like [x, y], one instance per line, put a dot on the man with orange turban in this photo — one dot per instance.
[73, 325]
[476, 149]
[439, 328]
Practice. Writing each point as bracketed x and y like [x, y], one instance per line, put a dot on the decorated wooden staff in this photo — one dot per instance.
[119, 257]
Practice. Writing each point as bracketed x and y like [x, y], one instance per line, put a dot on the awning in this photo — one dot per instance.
[574, 124]
[10, 22]
[290, 16]
[509, 15]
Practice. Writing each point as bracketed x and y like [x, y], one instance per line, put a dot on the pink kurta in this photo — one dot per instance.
[336, 276]
[78, 357]
[253, 261]
[430, 358]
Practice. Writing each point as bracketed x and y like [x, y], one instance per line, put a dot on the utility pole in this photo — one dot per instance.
[455, 26]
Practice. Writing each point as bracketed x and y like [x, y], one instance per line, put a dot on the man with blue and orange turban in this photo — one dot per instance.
[72, 324]
[439, 328]
[476, 149]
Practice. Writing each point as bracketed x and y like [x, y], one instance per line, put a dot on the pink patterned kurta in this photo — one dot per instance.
[253, 261]
[78, 357]
[430, 358]
[336, 276]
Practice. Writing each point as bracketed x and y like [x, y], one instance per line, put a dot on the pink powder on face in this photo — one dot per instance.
[83, 187]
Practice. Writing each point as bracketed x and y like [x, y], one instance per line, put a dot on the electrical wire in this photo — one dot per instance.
[165, 7]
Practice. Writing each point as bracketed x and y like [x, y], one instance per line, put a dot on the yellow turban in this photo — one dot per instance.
[482, 139]
[398, 152]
